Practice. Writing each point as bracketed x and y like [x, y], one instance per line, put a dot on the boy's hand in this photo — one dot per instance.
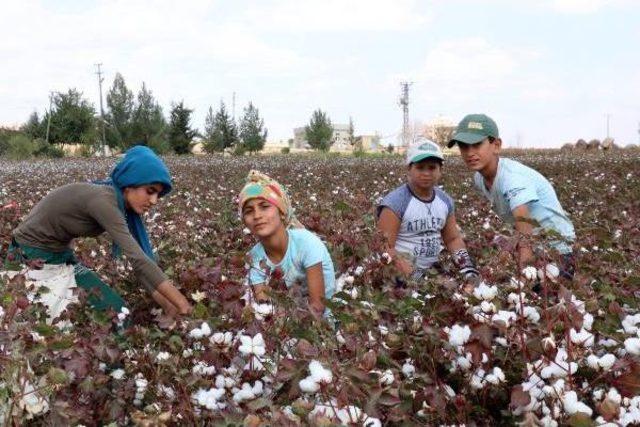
[403, 265]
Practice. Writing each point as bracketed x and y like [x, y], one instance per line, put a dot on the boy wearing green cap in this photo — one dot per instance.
[517, 192]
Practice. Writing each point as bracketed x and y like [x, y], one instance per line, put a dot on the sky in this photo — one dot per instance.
[548, 71]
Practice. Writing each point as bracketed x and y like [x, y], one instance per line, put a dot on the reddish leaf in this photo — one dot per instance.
[519, 398]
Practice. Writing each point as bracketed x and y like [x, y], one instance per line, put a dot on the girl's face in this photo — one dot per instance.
[425, 175]
[261, 218]
[141, 199]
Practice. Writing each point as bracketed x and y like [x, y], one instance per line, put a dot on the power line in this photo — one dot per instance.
[100, 80]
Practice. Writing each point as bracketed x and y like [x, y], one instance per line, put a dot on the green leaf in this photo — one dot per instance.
[580, 420]
[200, 311]
[57, 376]
[45, 330]
[61, 344]
[257, 404]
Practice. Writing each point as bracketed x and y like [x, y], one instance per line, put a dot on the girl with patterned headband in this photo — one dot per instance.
[283, 243]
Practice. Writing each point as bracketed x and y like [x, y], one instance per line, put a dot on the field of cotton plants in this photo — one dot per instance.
[439, 352]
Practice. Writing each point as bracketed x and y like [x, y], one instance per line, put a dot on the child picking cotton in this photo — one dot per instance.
[283, 244]
[418, 218]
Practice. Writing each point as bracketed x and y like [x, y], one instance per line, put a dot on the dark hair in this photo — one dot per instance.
[491, 139]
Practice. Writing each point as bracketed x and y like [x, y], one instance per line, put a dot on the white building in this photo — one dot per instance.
[340, 138]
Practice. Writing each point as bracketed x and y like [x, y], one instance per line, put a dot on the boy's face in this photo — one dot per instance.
[425, 175]
[478, 156]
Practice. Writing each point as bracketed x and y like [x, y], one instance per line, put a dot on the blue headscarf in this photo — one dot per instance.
[139, 166]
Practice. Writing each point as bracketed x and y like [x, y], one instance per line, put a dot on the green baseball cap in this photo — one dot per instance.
[474, 128]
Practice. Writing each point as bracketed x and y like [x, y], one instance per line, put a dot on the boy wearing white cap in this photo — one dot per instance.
[418, 218]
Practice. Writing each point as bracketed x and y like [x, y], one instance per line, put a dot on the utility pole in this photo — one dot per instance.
[49, 118]
[404, 103]
[104, 139]
[608, 116]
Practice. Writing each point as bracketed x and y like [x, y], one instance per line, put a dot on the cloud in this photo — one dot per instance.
[338, 15]
[584, 6]
[469, 68]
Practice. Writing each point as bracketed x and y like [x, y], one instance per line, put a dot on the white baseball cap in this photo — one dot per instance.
[423, 150]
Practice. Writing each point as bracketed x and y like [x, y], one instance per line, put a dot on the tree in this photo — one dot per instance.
[120, 105]
[252, 132]
[220, 130]
[440, 133]
[179, 134]
[319, 132]
[34, 127]
[148, 122]
[72, 119]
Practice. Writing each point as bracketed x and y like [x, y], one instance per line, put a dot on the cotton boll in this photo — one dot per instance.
[206, 330]
[551, 271]
[459, 335]
[408, 370]
[587, 321]
[583, 337]
[308, 385]
[530, 273]
[506, 317]
[607, 361]
[386, 378]
[632, 345]
[222, 338]
[251, 345]
[572, 405]
[371, 422]
[117, 374]
[531, 314]
[592, 361]
[484, 292]
[162, 356]
[319, 373]
[629, 323]
[515, 283]
[487, 307]
[477, 379]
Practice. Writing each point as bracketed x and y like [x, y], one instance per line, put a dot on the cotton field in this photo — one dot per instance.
[442, 351]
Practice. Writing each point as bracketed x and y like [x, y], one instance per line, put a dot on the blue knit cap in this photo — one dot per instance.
[139, 166]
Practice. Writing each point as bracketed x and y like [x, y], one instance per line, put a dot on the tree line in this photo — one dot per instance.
[133, 120]
[139, 119]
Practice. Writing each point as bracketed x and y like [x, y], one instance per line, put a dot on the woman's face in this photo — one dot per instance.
[141, 199]
[261, 218]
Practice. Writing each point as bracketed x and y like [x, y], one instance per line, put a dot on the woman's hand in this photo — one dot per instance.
[171, 299]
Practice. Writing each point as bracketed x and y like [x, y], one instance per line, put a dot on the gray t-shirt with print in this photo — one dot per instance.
[421, 223]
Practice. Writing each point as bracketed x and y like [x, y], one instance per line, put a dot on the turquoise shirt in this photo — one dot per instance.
[515, 185]
[304, 250]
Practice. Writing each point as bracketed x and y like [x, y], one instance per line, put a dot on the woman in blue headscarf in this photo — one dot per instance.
[114, 206]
